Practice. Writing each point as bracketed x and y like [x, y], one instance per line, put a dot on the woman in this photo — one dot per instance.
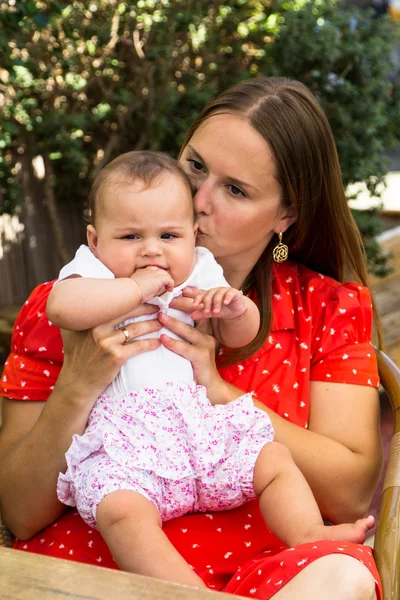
[263, 164]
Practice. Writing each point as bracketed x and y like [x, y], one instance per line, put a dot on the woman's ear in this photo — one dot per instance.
[91, 235]
[288, 216]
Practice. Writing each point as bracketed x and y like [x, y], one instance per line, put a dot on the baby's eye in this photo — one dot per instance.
[235, 190]
[131, 236]
[195, 164]
[168, 236]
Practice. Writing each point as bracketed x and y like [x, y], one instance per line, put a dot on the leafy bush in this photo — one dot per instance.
[83, 81]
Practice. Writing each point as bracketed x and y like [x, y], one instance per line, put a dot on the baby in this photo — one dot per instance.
[155, 448]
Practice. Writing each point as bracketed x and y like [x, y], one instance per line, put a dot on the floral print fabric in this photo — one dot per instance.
[170, 445]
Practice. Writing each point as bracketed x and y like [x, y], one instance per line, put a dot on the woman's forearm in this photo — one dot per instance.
[29, 465]
[82, 303]
[342, 479]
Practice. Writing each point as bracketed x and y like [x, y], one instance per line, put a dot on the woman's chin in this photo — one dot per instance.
[200, 241]
[205, 241]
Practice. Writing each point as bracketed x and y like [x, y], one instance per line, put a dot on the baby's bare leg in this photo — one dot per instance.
[288, 504]
[131, 527]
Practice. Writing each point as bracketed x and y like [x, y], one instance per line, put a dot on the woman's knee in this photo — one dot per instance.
[333, 577]
[350, 576]
[360, 581]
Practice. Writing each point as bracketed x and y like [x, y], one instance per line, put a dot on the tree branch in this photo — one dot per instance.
[108, 150]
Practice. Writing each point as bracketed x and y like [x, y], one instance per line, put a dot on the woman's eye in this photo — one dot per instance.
[235, 191]
[195, 164]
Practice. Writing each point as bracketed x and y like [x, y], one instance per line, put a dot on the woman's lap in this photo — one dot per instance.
[238, 556]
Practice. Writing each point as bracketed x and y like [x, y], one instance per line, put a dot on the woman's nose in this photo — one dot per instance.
[203, 199]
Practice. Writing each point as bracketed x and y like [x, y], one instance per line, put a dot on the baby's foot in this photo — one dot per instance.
[346, 532]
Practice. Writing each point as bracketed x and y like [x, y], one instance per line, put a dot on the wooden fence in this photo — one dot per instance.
[29, 257]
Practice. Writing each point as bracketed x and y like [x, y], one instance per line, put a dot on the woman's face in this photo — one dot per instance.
[237, 198]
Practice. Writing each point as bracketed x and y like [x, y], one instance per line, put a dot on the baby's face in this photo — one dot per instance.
[137, 228]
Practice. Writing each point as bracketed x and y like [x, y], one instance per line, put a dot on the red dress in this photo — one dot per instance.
[321, 331]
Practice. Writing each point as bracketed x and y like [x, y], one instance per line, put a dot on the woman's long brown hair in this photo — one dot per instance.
[325, 237]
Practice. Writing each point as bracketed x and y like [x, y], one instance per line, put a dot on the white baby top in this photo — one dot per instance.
[152, 369]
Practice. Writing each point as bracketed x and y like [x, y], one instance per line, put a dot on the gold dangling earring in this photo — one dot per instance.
[281, 251]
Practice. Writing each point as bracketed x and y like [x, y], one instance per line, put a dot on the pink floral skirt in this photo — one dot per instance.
[172, 446]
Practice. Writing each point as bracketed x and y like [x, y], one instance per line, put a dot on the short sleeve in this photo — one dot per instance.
[341, 350]
[32, 368]
[85, 264]
[207, 273]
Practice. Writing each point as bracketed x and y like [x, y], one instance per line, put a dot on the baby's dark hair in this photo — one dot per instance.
[144, 165]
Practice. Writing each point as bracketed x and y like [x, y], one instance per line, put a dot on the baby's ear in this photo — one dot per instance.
[91, 235]
[195, 228]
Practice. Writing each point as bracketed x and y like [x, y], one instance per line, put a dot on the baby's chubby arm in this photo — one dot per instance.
[236, 319]
[79, 303]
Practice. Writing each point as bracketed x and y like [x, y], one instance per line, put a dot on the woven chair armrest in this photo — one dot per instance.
[6, 537]
[387, 537]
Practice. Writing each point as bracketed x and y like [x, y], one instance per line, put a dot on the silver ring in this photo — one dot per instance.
[127, 335]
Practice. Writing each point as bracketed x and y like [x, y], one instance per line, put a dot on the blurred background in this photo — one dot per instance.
[81, 82]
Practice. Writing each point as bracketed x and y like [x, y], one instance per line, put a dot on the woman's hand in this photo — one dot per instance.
[93, 358]
[199, 348]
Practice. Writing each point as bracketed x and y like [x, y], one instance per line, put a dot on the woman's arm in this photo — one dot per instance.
[344, 428]
[80, 303]
[339, 454]
[35, 435]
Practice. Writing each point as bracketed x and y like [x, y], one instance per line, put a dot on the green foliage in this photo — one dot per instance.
[83, 81]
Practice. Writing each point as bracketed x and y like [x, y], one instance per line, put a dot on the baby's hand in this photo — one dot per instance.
[219, 303]
[153, 281]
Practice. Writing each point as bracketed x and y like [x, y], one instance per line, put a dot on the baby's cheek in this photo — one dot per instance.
[180, 272]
